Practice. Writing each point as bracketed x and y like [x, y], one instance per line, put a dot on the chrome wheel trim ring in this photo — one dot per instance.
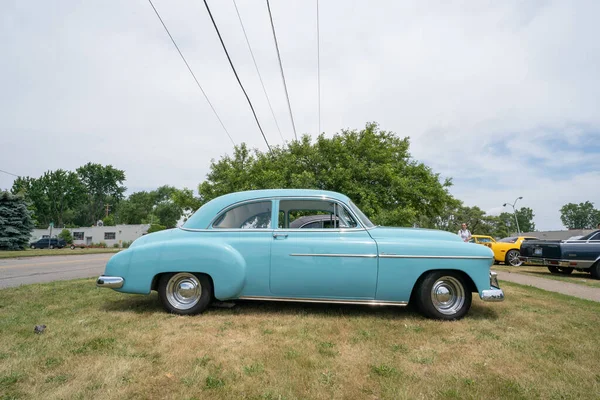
[513, 258]
[184, 290]
[448, 295]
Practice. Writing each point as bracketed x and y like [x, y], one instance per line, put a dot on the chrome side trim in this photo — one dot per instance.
[329, 301]
[111, 282]
[333, 255]
[385, 255]
[533, 261]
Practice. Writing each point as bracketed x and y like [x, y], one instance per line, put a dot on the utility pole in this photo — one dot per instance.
[107, 208]
[515, 212]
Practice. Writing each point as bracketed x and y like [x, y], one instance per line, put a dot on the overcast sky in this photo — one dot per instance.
[504, 97]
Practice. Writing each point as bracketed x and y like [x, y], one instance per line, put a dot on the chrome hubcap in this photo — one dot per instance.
[513, 259]
[184, 291]
[448, 295]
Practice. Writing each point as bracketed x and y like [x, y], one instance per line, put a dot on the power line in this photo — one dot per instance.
[319, 67]
[236, 75]
[191, 72]
[9, 173]
[257, 71]
[281, 69]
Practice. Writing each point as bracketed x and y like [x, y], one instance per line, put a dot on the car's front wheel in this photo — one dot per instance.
[185, 293]
[512, 258]
[443, 295]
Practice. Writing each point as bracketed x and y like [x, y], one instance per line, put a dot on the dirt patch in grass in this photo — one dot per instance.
[102, 344]
[580, 278]
[54, 252]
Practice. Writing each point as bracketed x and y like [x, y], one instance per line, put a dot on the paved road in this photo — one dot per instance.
[24, 271]
[571, 289]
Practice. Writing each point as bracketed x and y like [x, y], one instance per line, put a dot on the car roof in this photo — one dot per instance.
[205, 214]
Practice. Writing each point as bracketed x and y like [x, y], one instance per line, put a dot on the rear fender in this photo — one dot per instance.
[225, 265]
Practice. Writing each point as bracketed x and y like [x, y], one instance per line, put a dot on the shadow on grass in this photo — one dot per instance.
[139, 304]
[151, 304]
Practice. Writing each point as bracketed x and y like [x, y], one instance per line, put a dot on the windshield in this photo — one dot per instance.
[508, 240]
[363, 218]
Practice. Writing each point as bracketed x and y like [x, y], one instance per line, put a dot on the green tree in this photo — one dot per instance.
[109, 220]
[186, 201]
[525, 217]
[15, 222]
[373, 167]
[579, 216]
[165, 206]
[65, 235]
[156, 228]
[103, 185]
[135, 208]
[63, 191]
[33, 191]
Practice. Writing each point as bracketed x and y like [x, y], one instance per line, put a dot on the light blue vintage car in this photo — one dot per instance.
[244, 246]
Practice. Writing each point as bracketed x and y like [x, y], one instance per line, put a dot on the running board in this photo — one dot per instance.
[328, 301]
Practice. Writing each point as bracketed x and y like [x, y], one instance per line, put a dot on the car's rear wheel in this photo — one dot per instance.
[595, 270]
[512, 258]
[184, 293]
[560, 270]
[443, 295]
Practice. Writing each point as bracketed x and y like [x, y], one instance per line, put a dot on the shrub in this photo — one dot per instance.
[102, 245]
[156, 228]
[126, 244]
[116, 245]
[65, 235]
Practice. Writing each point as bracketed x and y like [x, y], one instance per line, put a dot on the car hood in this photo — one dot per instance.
[382, 232]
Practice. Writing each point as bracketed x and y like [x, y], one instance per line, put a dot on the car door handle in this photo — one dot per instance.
[280, 235]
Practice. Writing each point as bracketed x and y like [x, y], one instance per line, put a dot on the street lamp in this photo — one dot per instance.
[515, 212]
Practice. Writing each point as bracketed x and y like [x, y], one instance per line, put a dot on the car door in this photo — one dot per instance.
[336, 262]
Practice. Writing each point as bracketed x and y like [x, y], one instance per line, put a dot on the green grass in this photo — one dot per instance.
[54, 252]
[105, 345]
[579, 278]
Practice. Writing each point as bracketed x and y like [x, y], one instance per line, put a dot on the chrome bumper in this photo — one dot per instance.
[494, 293]
[112, 282]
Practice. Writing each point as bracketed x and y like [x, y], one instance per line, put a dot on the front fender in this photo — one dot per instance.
[220, 261]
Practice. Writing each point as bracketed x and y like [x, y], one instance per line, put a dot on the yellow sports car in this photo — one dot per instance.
[505, 250]
[484, 240]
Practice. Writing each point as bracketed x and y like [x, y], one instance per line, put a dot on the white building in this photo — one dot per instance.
[110, 235]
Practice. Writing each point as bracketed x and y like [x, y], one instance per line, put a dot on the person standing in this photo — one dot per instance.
[464, 233]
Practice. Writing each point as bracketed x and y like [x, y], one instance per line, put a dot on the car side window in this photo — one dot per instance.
[314, 214]
[595, 238]
[246, 216]
[312, 225]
